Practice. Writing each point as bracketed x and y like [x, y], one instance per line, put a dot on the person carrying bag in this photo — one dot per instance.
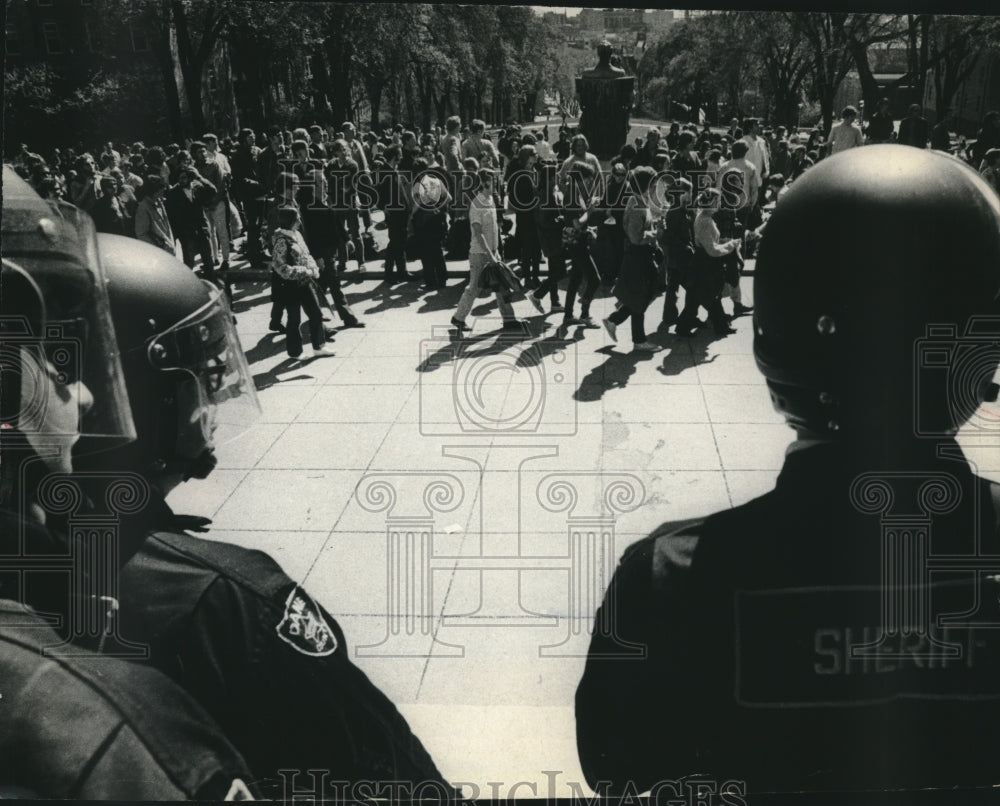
[638, 282]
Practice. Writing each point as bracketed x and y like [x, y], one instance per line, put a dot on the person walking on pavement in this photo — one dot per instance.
[708, 267]
[484, 250]
[397, 203]
[249, 190]
[577, 239]
[914, 130]
[880, 125]
[637, 280]
[324, 232]
[217, 206]
[678, 248]
[549, 222]
[293, 263]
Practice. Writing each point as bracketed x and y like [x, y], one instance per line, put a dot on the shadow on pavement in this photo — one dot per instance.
[612, 374]
[464, 347]
[264, 380]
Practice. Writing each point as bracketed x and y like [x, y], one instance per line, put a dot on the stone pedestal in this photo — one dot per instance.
[605, 96]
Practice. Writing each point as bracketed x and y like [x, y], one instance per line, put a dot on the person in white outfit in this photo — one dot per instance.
[482, 251]
[846, 134]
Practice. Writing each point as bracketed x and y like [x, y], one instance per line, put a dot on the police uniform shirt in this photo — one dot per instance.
[728, 646]
[268, 662]
[100, 728]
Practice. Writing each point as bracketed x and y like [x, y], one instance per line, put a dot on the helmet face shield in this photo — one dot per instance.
[215, 396]
[73, 341]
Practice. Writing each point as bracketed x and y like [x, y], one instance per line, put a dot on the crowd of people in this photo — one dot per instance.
[681, 208]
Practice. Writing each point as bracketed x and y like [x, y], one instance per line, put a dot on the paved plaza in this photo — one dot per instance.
[459, 506]
[483, 491]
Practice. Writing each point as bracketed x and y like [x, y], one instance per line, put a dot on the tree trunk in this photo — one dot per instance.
[252, 92]
[424, 79]
[320, 87]
[912, 59]
[530, 105]
[869, 86]
[464, 106]
[480, 100]
[411, 107]
[374, 89]
[955, 73]
[926, 24]
[826, 96]
[191, 67]
[442, 102]
[338, 55]
[786, 106]
[165, 62]
[394, 98]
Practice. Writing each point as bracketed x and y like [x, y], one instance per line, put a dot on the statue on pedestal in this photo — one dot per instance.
[605, 95]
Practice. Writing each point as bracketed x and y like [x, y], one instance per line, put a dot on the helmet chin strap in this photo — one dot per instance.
[200, 467]
[168, 473]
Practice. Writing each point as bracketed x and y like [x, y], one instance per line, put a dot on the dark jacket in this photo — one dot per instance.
[75, 725]
[678, 243]
[265, 659]
[734, 646]
[880, 126]
[913, 132]
[99, 728]
[109, 216]
[246, 182]
[941, 137]
[270, 167]
[637, 280]
[187, 216]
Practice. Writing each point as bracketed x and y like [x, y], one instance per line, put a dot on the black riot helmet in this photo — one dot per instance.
[876, 296]
[60, 373]
[186, 373]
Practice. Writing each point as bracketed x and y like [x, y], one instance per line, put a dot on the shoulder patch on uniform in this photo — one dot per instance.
[303, 626]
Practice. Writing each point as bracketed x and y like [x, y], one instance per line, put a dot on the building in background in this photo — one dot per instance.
[978, 94]
[627, 29]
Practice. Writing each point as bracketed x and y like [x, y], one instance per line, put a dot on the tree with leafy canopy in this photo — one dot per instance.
[705, 59]
[264, 37]
[784, 60]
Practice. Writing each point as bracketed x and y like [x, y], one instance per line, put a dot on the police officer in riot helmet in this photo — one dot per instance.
[73, 724]
[817, 638]
[268, 662]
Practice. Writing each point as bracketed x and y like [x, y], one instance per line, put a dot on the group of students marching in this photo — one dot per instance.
[639, 232]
